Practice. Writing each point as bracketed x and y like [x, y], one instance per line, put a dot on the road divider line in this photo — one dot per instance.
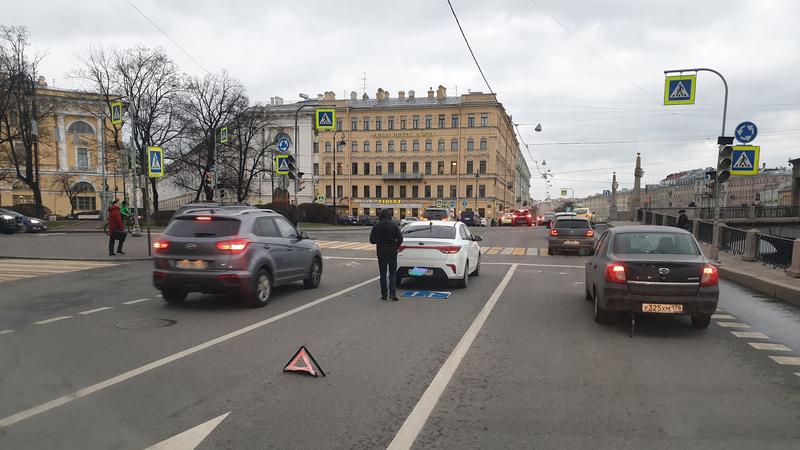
[415, 421]
[723, 316]
[92, 311]
[750, 334]
[54, 319]
[768, 346]
[47, 406]
[6, 331]
[733, 325]
[133, 302]
[787, 360]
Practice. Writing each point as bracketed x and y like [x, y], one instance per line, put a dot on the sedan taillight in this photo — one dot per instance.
[234, 246]
[710, 276]
[589, 233]
[615, 273]
[449, 249]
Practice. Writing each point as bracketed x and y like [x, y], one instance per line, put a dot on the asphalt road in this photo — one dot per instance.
[92, 358]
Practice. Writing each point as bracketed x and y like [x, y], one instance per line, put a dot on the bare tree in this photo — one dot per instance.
[66, 183]
[246, 156]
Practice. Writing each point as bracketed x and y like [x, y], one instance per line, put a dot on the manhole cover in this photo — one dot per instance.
[145, 324]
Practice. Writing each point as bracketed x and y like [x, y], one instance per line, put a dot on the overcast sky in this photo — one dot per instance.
[590, 71]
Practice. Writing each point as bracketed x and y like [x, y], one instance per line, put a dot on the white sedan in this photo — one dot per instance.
[439, 249]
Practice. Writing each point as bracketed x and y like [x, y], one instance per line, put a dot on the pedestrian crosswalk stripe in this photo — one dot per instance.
[503, 251]
[494, 250]
[507, 251]
[20, 269]
[518, 251]
[484, 249]
[533, 252]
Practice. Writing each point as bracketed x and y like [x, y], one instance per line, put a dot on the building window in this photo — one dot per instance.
[453, 191]
[328, 191]
[390, 191]
[403, 122]
[86, 203]
[470, 120]
[339, 191]
[415, 167]
[428, 145]
[402, 192]
[454, 144]
[484, 144]
[428, 121]
[378, 191]
[366, 192]
[469, 191]
[378, 146]
[402, 167]
[403, 146]
[440, 191]
[354, 168]
[484, 119]
[366, 146]
[482, 166]
[427, 191]
[353, 146]
[391, 146]
[366, 168]
[415, 145]
[338, 124]
[391, 122]
[440, 168]
[441, 120]
[83, 157]
[327, 168]
[390, 168]
[79, 127]
[354, 193]
[366, 123]
[316, 146]
[454, 121]
[316, 168]
[339, 168]
[415, 191]
[354, 125]
[378, 124]
[354, 211]
[378, 168]
[453, 168]
[470, 144]
[440, 145]
[469, 167]
[428, 167]
[415, 122]
[481, 190]
[328, 146]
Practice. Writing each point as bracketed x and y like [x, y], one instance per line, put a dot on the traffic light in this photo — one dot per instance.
[292, 167]
[724, 163]
[300, 182]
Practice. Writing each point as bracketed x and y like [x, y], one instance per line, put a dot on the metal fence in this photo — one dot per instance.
[777, 211]
[706, 232]
[775, 251]
[749, 212]
[733, 240]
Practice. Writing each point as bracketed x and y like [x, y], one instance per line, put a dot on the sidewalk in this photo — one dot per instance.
[72, 246]
[755, 275]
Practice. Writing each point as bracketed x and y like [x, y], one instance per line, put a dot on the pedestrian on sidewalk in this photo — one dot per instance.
[683, 220]
[387, 238]
[116, 229]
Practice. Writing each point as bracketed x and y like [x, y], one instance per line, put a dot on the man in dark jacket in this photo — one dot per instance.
[387, 238]
[116, 229]
[683, 220]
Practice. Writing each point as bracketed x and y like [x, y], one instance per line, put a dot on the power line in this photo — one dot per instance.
[167, 36]
[469, 47]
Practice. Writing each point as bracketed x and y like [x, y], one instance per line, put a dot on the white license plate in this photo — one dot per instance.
[187, 264]
[571, 242]
[420, 272]
[666, 308]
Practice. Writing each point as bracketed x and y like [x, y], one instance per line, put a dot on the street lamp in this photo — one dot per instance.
[335, 168]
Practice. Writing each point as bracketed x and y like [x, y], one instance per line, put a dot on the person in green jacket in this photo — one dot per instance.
[123, 209]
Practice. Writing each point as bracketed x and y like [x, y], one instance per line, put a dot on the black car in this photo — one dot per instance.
[471, 218]
[244, 252]
[367, 220]
[24, 223]
[642, 269]
[8, 225]
[569, 233]
[347, 220]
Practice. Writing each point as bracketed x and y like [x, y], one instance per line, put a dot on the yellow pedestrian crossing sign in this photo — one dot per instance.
[116, 113]
[155, 162]
[326, 119]
[745, 159]
[680, 89]
[282, 165]
[223, 135]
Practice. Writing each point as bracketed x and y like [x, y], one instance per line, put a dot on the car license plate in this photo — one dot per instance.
[666, 308]
[187, 264]
[571, 243]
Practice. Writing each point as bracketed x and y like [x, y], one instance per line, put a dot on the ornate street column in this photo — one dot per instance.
[62, 144]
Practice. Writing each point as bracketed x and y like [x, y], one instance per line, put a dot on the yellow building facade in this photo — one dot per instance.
[408, 153]
[71, 148]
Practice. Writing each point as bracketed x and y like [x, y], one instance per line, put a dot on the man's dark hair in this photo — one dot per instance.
[385, 214]
[682, 211]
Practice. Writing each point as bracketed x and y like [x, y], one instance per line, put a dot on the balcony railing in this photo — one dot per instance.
[402, 176]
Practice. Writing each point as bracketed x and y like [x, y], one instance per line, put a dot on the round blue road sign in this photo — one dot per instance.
[283, 143]
[746, 132]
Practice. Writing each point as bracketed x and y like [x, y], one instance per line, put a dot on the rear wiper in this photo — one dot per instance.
[204, 234]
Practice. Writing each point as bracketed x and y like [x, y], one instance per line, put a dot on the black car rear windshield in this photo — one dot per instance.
[191, 227]
[428, 231]
[572, 223]
[435, 214]
[655, 243]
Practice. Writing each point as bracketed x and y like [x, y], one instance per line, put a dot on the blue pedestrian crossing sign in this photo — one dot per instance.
[680, 89]
[746, 132]
[326, 119]
[282, 165]
[606, 193]
[745, 159]
[155, 162]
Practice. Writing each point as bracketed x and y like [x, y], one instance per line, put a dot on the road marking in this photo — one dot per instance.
[6, 331]
[494, 250]
[723, 316]
[136, 301]
[750, 334]
[158, 295]
[54, 319]
[767, 346]
[797, 373]
[543, 252]
[49, 234]
[533, 252]
[357, 258]
[507, 251]
[484, 249]
[519, 251]
[787, 360]
[733, 325]
[413, 424]
[92, 311]
[47, 406]
[190, 438]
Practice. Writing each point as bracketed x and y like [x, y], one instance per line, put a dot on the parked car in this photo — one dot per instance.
[245, 252]
[483, 221]
[522, 217]
[367, 220]
[470, 218]
[438, 214]
[642, 269]
[439, 249]
[585, 213]
[570, 234]
[507, 219]
[8, 224]
[24, 223]
[347, 220]
[408, 220]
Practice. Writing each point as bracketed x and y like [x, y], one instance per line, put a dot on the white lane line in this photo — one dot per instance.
[47, 406]
[131, 302]
[787, 360]
[767, 346]
[158, 295]
[723, 316]
[415, 421]
[54, 319]
[49, 234]
[733, 325]
[191, 438]
[92, 311]
[797, 373]
[6, 331]
[750, 334]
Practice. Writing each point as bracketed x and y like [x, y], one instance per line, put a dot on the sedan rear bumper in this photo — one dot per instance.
[441, 270]
[558, 243]
[233, 282]
[618, 298]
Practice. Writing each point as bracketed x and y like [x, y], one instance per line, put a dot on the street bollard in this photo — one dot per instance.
[794, 269]
[750, 245]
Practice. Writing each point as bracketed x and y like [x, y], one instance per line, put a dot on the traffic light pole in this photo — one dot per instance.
[297, 146]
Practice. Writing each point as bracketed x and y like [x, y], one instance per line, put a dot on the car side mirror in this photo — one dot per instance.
[477, 238]
[304, 235]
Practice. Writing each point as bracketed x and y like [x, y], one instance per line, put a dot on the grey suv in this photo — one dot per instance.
[241, 251]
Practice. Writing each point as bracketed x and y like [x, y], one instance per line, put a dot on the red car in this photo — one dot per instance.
[522, 216]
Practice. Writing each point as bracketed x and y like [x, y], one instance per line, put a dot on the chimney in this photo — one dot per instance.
[365, 96]
[379, 94]
[353, 95]
[385, 95]
[320, 97]
[441, 93]
[430, 92]
[411, 93]
[329, 95]
[401, 94]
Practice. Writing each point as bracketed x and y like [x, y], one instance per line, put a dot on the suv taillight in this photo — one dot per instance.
[710, 276]
[553, 232]
[234, 245]
[615, 273]
[161, 245]
[589, 233]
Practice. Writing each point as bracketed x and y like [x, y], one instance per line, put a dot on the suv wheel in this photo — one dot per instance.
[701, 321]
[262, 289]
[314, 275]
[464, 281]
[173, 296]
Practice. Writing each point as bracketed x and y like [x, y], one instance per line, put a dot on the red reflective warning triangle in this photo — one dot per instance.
[303, 362]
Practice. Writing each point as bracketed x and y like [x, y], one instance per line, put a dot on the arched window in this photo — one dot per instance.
[82, 187]
[454, 144]
[80, 127]
[484, 144]
[470, 144]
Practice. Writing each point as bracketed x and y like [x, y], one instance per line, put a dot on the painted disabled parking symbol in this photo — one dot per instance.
[426, 294]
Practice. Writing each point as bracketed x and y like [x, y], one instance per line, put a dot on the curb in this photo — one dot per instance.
[61, 258]
[776, 289]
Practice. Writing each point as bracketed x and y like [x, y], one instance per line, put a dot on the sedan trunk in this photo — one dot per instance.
[664, 275]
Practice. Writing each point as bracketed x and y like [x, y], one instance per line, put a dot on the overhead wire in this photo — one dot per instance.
[469, 47]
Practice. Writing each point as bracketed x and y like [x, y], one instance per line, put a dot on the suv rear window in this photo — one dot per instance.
[435, 214]
[191, 227]
[427, 231]
[572, 223]
[655, 243]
